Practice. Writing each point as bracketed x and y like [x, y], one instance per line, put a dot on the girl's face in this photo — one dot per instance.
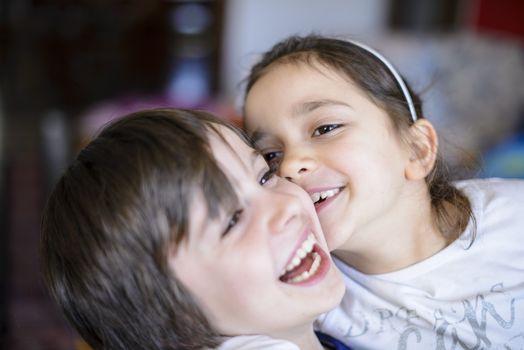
[263, 267]
[333, 141]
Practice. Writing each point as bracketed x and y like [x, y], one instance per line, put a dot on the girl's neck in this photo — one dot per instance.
[408, 237]
[392, 256]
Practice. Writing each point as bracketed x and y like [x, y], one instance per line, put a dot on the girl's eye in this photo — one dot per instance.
[233, 220]
[268, 175]
[323, 129]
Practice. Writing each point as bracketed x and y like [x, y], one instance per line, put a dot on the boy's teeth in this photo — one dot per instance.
[305, 249]
[315, 197]
[306, 274]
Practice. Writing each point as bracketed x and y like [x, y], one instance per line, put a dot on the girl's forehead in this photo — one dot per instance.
[299, 76]
[312, 65]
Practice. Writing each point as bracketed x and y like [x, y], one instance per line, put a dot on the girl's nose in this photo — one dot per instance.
[296, 165]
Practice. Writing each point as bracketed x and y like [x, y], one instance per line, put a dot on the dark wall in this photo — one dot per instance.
[57, 58]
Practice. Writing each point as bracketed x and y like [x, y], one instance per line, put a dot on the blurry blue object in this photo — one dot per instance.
[506, 160]
[190, 80]
[191, 19]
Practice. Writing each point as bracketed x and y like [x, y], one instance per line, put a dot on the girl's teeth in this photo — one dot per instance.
[315, 197]
[305, 249]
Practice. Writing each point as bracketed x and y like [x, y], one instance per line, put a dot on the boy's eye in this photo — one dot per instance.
[323, 129]
[268, 175]
[272, 156]
[233, 220]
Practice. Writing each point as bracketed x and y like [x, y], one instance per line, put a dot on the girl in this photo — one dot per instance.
[428, 264]
[170, 232]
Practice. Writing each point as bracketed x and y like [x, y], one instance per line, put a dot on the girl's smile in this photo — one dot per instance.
[322, 198]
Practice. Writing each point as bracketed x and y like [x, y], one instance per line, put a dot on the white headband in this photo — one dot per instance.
[397, 76]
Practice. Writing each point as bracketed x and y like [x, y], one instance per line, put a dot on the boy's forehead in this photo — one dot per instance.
[232, 153]
[228, 144]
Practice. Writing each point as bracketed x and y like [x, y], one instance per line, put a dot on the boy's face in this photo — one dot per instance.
[235, 266]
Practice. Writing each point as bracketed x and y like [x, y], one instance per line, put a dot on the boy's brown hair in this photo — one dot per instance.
[111, 220]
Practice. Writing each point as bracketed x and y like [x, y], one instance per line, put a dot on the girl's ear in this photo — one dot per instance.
[423, 142]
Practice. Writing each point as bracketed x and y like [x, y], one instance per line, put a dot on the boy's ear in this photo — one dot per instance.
[423, 153]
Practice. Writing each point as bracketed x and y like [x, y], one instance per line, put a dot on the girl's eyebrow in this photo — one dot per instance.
[310, 106]
[302, 109]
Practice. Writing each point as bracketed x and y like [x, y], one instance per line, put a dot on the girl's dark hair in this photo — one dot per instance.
[452, 209]
[111, 221]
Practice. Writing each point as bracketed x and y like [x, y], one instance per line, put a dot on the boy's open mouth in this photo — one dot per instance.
[305, 263]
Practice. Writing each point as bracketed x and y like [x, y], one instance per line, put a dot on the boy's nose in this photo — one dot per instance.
[285, 213]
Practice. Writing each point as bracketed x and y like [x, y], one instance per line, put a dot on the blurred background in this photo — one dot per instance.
[68, 67]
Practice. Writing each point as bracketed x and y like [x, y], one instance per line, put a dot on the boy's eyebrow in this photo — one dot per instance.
[310, 106]
[253, 157]
[203, 230]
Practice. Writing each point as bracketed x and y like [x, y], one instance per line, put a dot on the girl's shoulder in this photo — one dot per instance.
[493, 188]
[497, 205]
